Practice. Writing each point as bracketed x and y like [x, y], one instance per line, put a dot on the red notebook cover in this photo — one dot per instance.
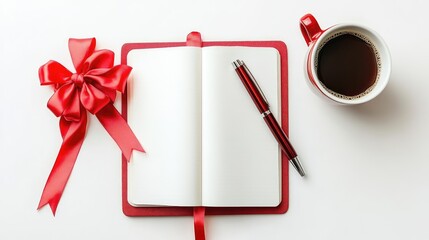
[195, 40]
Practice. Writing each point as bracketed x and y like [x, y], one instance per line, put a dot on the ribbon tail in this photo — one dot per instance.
[199, 213]
[73, 139]
[119, 130]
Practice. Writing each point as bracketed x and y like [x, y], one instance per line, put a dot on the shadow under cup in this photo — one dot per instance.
[349, 64]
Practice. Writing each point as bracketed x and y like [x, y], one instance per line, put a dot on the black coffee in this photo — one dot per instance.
[347, 65]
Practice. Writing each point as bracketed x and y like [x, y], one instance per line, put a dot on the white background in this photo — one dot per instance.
[367, 165]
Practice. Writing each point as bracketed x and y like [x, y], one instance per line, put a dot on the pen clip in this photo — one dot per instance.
[241, 63]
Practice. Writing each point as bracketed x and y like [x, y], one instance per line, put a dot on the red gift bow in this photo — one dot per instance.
[93, 87]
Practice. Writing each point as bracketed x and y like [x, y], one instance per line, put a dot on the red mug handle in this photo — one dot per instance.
[310, 28]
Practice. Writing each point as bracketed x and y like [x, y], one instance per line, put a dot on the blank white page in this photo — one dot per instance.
[164, 111]
[241, 158]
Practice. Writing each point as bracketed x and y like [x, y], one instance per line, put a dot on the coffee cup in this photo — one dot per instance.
[346, 63]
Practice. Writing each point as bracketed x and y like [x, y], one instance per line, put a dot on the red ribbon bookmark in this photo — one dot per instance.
[199, 213]
[92, 88]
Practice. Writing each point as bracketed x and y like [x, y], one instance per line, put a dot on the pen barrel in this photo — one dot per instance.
[280, 136]
[252, 89]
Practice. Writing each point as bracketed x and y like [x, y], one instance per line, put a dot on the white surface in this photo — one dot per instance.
[367, 165]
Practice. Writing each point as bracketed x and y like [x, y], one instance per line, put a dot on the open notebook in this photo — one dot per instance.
[206, 143]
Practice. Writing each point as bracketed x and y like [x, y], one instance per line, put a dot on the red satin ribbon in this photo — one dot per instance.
[199, 213]
[92, 88]
[194, 39]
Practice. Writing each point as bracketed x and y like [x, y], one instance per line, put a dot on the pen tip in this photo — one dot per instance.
[297, 165]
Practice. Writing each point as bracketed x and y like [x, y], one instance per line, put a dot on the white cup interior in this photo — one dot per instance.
[380, 47]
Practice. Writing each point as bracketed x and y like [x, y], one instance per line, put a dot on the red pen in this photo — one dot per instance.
[262, 104]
